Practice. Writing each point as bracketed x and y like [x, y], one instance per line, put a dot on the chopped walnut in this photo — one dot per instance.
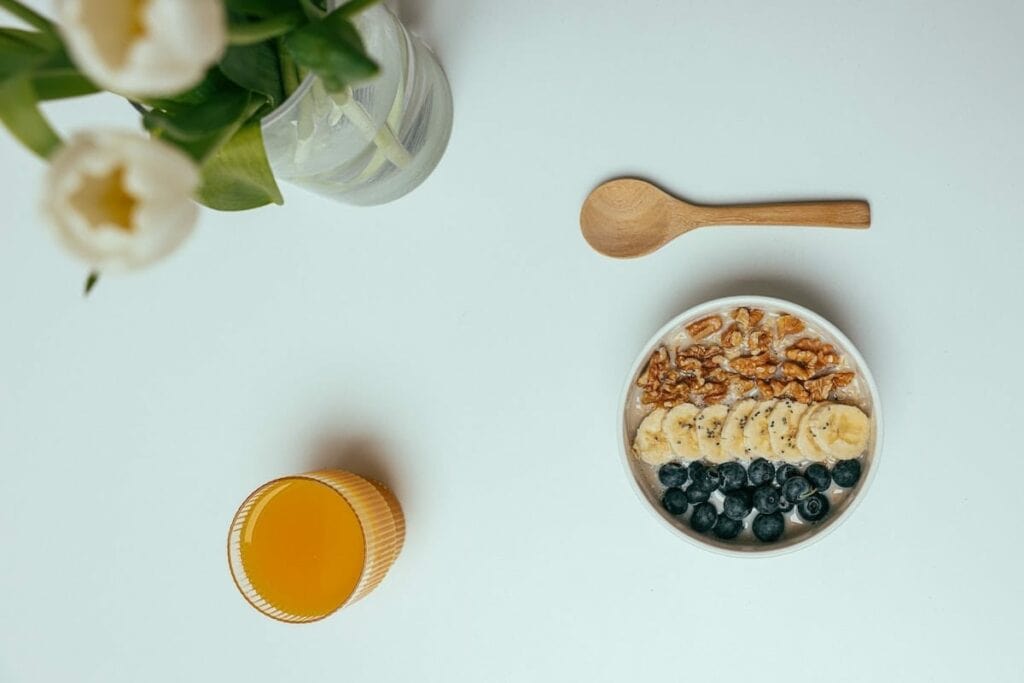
[732, 337]
[789, 324]
[718, 375]
[820, 388]
[742, 360]
[807, 344]
[692, 365]
[661, 382]
[827, 355]
[842, 379]
[698, 351]
[797, 392]
[807, 358]
[709, 356]
[760, 366]
[760, 340]
[747, 317]
[770, 389]
[743, 385]
[658, 368]
[709, 388]
[705, 327]
[718, 397]
[796, 371]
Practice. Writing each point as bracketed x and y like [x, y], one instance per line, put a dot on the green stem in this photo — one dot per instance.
[19, 111]
[259, 31]
[353, 7]
[312, 11]
[29, 16]
[288, 75]
[383, 138]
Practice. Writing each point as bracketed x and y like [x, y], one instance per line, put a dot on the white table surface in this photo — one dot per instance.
[465, 345]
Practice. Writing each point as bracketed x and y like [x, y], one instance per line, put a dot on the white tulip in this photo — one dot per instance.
[120, 200]
[144, 47]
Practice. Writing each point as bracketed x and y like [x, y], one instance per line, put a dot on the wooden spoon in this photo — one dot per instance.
[628, 217]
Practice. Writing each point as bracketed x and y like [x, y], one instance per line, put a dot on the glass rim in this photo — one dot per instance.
[239, 574]
[292, 101]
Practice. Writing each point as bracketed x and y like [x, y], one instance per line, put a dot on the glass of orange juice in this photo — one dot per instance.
[302, 547]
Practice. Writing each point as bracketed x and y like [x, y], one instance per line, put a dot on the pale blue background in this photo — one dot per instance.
[474, 339]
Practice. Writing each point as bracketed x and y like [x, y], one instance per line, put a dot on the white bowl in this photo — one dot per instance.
[641, 475]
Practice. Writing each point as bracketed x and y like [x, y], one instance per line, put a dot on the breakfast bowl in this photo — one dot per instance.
[750, 426]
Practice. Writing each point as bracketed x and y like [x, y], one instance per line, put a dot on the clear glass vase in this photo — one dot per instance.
[379, 140]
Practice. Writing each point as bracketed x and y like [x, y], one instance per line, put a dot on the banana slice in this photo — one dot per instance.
[757, 443]
[841, 431]
[804, 442]
[680, 427]
[733, 445]
[709, 432]
[650, 444]
[783, 424]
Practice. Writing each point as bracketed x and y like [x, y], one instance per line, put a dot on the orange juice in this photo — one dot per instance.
[302, 547]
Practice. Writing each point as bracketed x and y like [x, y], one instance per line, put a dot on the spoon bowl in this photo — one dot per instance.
[627, 217]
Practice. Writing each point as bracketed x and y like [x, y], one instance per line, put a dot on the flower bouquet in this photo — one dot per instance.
[211, 79]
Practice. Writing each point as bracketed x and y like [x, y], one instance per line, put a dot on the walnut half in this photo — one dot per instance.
[705, 327]
[789, 324]
[760, 366]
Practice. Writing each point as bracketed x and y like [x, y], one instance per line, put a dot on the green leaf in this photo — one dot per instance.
[238, 176]
[20, 51]
[261, 8]
[212, 83]
[313, 9]
[199, 120]
[332, 49]
[41, 41]
[58, 84]
[354, 7]
[253, 32]
[255, 68]
[29, 16]
[19, 111]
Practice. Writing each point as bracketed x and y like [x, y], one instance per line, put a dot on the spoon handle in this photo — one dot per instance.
[837, 214]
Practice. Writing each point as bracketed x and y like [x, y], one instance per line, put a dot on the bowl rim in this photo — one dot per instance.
[753, 301]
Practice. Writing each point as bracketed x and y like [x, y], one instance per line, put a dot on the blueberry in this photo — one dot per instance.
[766, 499]
[695, 494]
[760, 472]
[672, 474]
[707, 479]
[846, 473]
[785, 472]
[813, 508]
[784, 505]
[736, 505]
[674, 500]
[695, 467]
[733, 476]
[819, 477]
[727, 528]
[796, 489]
[703, 517]
[768, 528]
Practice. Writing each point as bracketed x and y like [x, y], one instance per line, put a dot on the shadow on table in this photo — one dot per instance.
[359, 454]
[791, 287]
